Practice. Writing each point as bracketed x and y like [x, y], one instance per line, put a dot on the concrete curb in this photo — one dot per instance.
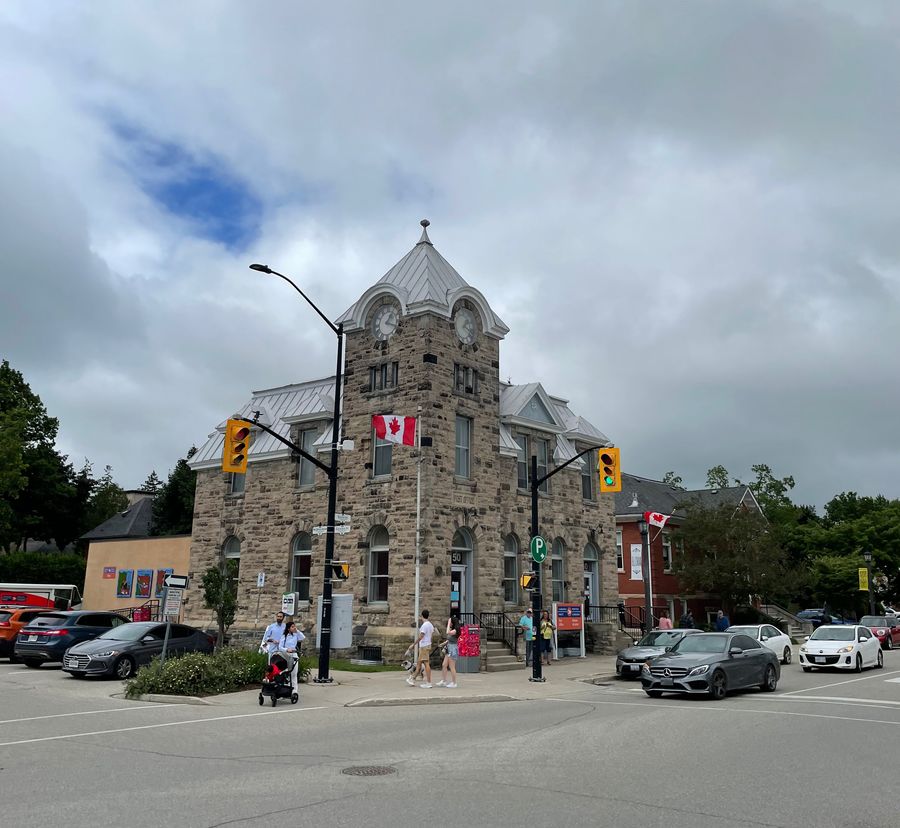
[442, 699]
[162, 699]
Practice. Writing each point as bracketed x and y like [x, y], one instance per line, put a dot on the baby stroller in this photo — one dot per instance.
[277, 680]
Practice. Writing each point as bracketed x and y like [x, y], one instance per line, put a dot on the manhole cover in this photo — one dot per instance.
[369, 770]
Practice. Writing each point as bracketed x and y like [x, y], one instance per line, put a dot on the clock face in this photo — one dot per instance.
[466, 327]
[385, 322]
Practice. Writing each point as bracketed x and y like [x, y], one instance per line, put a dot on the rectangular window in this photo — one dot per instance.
[522, 461]
[588, 470]
[542, 450]
[237, 483]
[465, 379]
[667, 552]
[463, 446]
[620, 555]
[307, 472]
[558, 579]
[300, 574]
[384, 376]
[510, 579]
[378, 575]
[381, 459]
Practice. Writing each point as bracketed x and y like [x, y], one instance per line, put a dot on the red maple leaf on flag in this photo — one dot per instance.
[394, 425]
[657, 516]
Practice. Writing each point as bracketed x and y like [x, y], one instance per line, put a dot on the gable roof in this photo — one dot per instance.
[641, 494]
[134, 522]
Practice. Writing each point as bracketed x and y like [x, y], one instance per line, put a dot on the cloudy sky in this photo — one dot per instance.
[686, 212]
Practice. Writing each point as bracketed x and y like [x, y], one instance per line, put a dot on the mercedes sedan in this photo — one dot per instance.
[712, 664]
[630, 660]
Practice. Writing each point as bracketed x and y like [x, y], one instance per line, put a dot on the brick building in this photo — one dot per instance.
[420, 342]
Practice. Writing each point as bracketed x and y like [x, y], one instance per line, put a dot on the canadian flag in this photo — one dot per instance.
[656, 519]
[395, 429]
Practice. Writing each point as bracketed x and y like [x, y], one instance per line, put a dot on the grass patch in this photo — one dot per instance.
[345, 664]
[197, 674]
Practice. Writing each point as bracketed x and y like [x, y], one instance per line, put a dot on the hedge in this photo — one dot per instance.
[197, 674]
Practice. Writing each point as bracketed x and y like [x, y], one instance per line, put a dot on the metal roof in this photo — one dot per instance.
[640, 494]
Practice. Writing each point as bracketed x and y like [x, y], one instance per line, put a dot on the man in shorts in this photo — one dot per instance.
[426, 631]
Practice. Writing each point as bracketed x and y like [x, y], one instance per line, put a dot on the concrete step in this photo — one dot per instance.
[496, 661]
[496, 647]
[504, 668]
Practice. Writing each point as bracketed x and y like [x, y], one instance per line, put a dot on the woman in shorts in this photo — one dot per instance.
[452, 653]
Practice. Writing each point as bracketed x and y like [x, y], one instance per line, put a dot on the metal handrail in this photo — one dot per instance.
[148, 611]
[498, 626]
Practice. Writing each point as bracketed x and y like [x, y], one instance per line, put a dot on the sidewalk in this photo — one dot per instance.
[390, 689]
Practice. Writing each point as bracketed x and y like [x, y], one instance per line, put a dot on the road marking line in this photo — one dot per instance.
[835, 699]
[85, 713]
[877, 674]
[897, 680]
[162, 724]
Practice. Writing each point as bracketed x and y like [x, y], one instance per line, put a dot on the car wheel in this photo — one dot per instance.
[858, 667]
[807, 669]
[124, 668]
[718, 686]
[879, 664]
[31, 662]
[770, 680]
[889, 643]
[786, 656]
[654, 694]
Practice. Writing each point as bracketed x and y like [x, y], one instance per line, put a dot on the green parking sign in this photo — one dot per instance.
[538, 549]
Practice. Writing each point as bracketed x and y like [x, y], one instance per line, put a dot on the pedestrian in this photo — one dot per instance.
[526, 624]
[546, 630]
[452, 653]
[426, 631]
[687, 620]
[621, 608]
[722, 621]
[665, 623]
[290, 643]
[272, 636]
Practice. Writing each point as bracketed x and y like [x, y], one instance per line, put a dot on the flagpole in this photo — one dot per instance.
[418, 509]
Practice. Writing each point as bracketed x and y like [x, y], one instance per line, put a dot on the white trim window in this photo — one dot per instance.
[463, 467]
[381, 456]
[237, 484]
[558, 570]
[379, 562]
[524, 446]
[511, 570]
[301, 565]
[667, 552]
[588, 473]
[231, 552]
[306, 474]
[620, 554]
[542, 450]
[522, 462]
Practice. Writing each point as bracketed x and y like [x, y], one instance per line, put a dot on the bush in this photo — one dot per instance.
[197, 674]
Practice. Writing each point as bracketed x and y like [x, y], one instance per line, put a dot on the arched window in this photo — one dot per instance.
[301, 562]
[231, 551]
[379, 542]
[591, 578]
[558, 569]
[511, 570]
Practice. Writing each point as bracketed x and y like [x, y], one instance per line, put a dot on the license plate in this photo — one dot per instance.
[31, 638]
[819, 660]
[634, 667]
[667, 682]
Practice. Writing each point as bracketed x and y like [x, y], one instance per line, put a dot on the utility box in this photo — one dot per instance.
[341, 622]
[469, 660]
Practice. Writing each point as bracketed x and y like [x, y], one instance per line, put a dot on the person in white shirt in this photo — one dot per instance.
[426, 631]
[273, 635]
[290, 643]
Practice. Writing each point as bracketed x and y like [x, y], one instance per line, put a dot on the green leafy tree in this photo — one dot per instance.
[672, 479]
[220, 594]
[40, 568]
[717, 478]
[107, 499]
[770, 492]
[173, 506]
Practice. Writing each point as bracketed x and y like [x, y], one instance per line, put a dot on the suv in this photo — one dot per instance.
[49, 635]
[12, 619]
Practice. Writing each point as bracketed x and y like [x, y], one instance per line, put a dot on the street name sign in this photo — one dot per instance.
[337, 530]
[342, 518]
[538, 549]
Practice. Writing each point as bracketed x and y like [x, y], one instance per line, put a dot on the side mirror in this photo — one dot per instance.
[668, 649]
[735, 651]
[764, 638]
[147, 639]
[806, 638]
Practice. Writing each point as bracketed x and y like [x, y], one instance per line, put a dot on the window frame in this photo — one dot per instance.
[375, 579]
[240, 489]
[466, 449]
[588, 476]
[620, 552]
[558, 556]
[383, 446]
[305, 439]
[299, 553]
[667, 549]
[511, 552]
[384, 376]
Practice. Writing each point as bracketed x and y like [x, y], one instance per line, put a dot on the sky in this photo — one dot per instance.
[685, 212]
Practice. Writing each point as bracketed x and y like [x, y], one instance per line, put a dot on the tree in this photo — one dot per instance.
[220, 594]
[717, 478]
[173, 506]
[732, 554]
[672, 479]
[152, 484]
[39, 568]
[108, 499]
[770, 492]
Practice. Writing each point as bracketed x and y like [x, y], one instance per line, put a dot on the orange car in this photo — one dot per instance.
[12, 619]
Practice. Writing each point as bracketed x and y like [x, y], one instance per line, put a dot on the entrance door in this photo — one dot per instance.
[590, 592]
[459, 600]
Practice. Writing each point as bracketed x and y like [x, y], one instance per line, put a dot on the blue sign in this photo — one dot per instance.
[454, 595]
[568, 611]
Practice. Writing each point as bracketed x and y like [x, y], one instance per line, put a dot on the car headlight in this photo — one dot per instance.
[104, 654]
[699, 671]
[880, 632]
[847, 649]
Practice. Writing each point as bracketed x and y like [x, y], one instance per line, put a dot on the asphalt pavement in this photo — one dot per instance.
[814, 753]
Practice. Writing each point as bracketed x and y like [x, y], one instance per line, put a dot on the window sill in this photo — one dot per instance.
[377, 606]
[466, 482]
[380, 392]
[382, 478]
[527, 493]
[308, 487]
[234, 495]
[589, 501]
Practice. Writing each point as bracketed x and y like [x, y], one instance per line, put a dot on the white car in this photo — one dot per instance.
[768, 636]
[845, 647]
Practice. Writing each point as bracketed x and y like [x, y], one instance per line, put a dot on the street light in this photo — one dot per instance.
[325, 631]
[645, 572]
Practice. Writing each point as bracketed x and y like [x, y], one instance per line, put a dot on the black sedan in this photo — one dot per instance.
[712, 664]
[119, 652]
[48, 636]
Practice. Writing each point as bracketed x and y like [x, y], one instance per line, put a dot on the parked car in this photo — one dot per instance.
[769, 636]
[49, 635]
[843, 647]
[630, 660]
[815, 617]
[712, 664]
[886, 628]
[12, 619]
[120, 651]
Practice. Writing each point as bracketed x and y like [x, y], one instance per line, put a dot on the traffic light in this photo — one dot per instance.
[237, 443]
[610, 470]
[528, 581]
[340, 571]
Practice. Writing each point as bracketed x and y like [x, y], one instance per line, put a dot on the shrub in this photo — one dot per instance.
[197, 674]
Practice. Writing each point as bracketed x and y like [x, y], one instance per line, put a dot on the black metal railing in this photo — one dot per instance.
[468, 618]
[498, 626]
[148, 611]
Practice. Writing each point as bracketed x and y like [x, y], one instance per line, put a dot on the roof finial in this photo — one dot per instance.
[425, 239]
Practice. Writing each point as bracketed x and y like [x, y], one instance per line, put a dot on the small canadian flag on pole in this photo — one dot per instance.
[395, 429]
[656, 519]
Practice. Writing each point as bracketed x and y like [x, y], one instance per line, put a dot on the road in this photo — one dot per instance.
[818, 752]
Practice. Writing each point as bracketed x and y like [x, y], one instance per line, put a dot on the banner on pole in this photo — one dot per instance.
[863, 580]
[637, 563]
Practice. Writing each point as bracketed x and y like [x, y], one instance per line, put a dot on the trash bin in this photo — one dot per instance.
[469, 649]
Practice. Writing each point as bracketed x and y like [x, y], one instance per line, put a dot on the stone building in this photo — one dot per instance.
[421, 343]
